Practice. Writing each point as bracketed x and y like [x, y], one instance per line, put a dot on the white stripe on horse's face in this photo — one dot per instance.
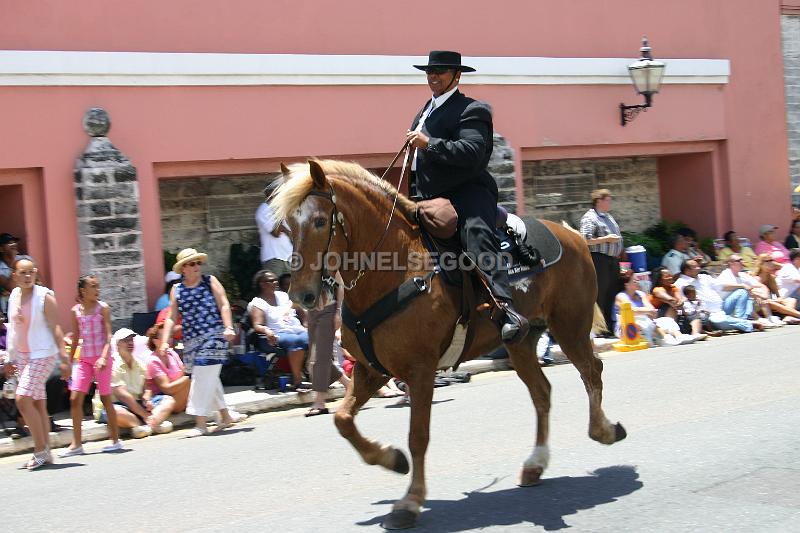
[301, 218]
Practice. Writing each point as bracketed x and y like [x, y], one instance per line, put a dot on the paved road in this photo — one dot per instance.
[712, 445]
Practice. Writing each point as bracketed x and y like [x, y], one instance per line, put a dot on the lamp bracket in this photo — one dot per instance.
[630, 112]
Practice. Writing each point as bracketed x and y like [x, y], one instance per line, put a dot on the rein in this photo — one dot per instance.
[338, 218]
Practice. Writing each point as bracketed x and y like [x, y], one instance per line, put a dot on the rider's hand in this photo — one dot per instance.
[417, 139]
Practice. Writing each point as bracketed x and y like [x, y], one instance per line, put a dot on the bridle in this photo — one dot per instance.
[338, 218]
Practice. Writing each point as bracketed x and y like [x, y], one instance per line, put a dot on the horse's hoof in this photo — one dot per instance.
[530, 477]
[619, 432]
[399, 519]
[400, 462]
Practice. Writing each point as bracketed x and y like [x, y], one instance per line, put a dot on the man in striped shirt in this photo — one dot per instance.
[602, 235]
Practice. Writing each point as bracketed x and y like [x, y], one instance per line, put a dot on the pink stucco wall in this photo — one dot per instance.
[194, 129]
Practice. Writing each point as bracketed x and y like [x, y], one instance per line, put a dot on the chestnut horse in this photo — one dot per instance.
[338, 210]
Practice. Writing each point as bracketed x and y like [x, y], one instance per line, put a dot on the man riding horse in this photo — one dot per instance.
[451, 138]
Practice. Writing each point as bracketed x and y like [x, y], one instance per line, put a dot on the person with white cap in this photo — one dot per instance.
[170, 279]
[128, 389]
[201, 302]
[769, 245]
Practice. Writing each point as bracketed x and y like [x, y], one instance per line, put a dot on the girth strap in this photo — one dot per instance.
[381, 310]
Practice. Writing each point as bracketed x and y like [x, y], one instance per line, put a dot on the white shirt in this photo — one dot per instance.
[436, 102]
[727, 277]
[705, 286]
[281, 318]
[279, 247]
[788, 279]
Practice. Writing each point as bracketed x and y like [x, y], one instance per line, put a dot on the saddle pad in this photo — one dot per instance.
[542, 239]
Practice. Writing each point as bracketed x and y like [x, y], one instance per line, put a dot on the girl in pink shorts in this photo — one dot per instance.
[91, 322]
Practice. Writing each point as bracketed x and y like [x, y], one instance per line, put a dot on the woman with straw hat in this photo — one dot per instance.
[201, 302]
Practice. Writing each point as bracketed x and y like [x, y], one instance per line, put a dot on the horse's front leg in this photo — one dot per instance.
[406, 511]
[362, 387]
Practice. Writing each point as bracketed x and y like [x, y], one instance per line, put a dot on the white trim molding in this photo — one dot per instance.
[55, 68]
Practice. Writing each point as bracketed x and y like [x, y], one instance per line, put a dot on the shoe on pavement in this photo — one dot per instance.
[791, 320]
[164, 427]
[776, 322]
[197, 431]
[668, 340]
[71, 452]
[19, 432]
[113, 447]
[140, 432]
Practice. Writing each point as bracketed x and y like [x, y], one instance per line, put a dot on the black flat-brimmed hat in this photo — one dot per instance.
[445, 59]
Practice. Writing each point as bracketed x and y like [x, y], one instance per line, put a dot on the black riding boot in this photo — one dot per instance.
[514, 325]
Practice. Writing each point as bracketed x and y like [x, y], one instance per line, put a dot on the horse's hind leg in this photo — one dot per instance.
[577, 346]
[364, 384]
[523, 357]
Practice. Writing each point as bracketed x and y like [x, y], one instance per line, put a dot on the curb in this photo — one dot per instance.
[242, 400]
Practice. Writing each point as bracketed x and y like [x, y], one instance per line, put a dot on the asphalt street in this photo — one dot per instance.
[712, 445]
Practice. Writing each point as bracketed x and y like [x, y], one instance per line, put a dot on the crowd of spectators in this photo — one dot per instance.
[753, 290]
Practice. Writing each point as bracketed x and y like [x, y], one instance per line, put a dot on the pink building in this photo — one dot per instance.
[211, 99]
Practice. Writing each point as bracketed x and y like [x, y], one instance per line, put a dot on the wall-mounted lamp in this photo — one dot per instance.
[646, 75]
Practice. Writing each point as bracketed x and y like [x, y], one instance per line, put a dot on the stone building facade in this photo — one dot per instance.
[790, 28]
[210, 213]
[107, 207]
[559, 190]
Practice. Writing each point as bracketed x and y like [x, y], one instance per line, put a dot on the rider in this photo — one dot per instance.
[451, 138]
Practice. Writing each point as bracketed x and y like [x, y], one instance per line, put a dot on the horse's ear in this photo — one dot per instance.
[285, 171]
[317, 174]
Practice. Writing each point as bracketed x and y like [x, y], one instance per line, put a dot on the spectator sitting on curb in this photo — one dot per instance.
[710, 299]
[793, 238]
[644, 313]
[734, 246]
[768, 244]
[131, 401]
[168, 386]
[9, 254]
[275, 318]
[735, 286]
[694, 250]
[768, 289]
[677, 255]
[788, 277]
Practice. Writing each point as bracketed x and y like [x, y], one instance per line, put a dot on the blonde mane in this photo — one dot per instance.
[298, 184]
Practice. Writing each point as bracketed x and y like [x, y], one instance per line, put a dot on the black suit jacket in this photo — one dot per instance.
[460, 144]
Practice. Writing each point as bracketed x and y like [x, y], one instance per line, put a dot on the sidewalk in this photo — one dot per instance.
[246, 400]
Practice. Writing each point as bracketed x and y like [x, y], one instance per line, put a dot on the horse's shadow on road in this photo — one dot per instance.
[546, 505]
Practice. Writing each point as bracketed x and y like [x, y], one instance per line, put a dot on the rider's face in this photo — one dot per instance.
[441, 80]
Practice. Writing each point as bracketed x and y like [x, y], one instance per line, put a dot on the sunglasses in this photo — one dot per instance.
[270, 280]
[735, 260]
[194, 263]
[437, 70]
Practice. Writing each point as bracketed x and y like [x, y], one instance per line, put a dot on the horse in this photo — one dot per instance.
[340, 210]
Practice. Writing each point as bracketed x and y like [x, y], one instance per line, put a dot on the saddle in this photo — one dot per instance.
[523, 261]
[525, 257]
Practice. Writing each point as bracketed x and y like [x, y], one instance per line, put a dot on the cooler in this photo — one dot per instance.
[637, 256]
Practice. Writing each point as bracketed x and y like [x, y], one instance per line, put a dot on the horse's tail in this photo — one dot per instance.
[598, 321]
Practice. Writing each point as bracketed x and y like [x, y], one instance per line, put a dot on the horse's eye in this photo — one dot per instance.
[319, 222]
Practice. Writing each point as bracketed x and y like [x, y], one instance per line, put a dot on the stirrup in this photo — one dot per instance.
[514, 326]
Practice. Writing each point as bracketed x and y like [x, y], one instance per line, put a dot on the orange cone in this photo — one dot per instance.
[631, 337]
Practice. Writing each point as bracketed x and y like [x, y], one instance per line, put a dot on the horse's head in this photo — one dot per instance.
[307, 201]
